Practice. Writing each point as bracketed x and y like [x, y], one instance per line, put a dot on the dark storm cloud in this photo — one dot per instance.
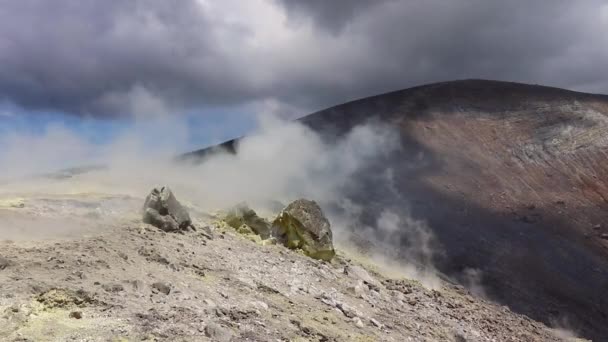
[99, 57]
[333, 15]
[89, 56]
[555, 42]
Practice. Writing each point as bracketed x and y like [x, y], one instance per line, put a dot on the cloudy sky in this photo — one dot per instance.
[93, 66]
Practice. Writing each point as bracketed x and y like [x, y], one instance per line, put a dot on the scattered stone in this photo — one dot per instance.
[237, 314]
[597, 227]
[303, 225]
[206, 232]
[62, 298]
[151, 254]
[210, 304]
[358, 322]
[358, 289]
[163, 210]
[198, 270]
[80, 274]
[401, 285]
[376, 323]
[303, 328]
[328, 300]
[246, 221]
[137, 284]
[4, 263]
[112, 287]
[260, 305]
[346, 310]
[604, 236]
[76, 314]
[218, 333]
[359, 273]
[459, 338]
[267, 289]
[162, 287]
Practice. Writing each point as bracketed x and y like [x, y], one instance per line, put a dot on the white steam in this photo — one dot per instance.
[279, 162]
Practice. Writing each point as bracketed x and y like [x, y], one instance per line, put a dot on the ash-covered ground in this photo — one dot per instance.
[82, 266]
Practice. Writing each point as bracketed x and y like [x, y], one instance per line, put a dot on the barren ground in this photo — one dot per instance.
[83, 267]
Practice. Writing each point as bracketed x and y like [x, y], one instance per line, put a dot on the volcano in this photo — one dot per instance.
[511, 178]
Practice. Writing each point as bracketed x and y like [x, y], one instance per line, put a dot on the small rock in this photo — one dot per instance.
[327, 300]
[218, 333]
[376, 323]
[152, 254]
[112, 287]
[137, 284]
[211, 304]
[260, 305]
[604, 236]
[359, 273]
[206, 232]
[237, 314]
[76, 314]
[597, 227]
[358, 322]
[79, 274]
[4, 263]
[346, 310]
[162, 287]
[459, 338]
[358, 289]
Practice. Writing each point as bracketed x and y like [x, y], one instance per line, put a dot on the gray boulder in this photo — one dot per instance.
[163, 210]
[303, 225]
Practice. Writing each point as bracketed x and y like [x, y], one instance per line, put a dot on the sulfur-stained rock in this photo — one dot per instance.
[246, 221]
[303, 225]
[163, 210]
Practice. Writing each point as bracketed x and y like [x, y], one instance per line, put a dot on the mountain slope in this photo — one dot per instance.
[129, 281]
[511, 178]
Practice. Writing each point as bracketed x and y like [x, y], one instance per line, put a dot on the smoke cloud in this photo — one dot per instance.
[279, 162]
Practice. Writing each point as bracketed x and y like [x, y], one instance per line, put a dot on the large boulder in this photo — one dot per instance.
[163, 210]
[303, 225]
[242, 218]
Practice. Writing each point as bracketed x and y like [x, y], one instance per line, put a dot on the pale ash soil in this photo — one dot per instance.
[121, 280]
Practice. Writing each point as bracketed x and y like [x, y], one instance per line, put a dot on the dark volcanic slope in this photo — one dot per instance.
[512, 179]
